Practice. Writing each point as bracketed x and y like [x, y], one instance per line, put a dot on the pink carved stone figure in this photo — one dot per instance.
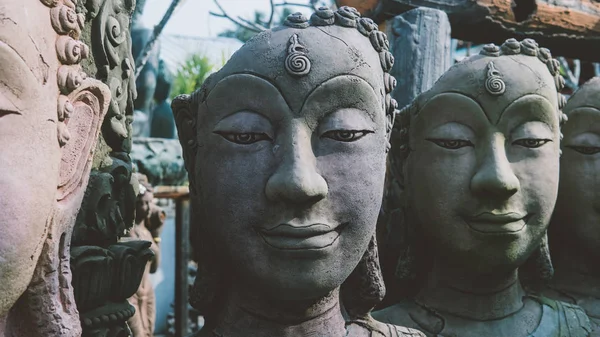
[50, 118]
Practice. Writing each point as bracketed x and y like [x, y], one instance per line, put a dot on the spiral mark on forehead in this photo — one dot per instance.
[494, 84]
[297, 62]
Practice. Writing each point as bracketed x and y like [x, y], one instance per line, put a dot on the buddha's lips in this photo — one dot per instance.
[491, 223]
[301, 237]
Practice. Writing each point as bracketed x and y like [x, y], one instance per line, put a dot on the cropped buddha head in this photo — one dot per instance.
[576, 220]
[286, 148]
[479, 157]
[50, 117]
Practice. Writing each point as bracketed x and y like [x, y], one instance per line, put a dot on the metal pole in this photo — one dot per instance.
[182, 244]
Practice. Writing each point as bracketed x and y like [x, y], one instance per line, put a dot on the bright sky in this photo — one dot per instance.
[192, 18]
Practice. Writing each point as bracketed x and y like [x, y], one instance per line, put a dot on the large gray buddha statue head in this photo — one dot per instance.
[479, 162]
[576, 220]
[50, 118]
[286, 151]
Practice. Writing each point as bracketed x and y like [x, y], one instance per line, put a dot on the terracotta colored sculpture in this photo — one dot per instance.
[478, 157]
[286, 149]
[574, 230]
[142, 323]
[50, 117]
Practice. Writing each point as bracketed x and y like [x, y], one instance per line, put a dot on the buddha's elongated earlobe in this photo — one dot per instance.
[364, 288]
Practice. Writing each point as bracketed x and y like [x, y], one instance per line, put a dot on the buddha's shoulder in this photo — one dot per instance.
[572, 319]
[374, 328]
[555, 294]
[590, 305]
[409, 314]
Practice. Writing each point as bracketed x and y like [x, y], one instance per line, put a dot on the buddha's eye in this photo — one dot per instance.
[531, 143]
[587, 150]
[346, 135]
[245, 138]
[451, 144]
[4, 112]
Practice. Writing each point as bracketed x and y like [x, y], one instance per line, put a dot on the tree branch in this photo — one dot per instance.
[145, 54]
[252, 24]
[285, 3]
[260, 26]
[571, 76]
[270, 22]
[225, 15]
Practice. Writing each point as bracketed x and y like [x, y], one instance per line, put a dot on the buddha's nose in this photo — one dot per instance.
[296, 179]
[494, 175]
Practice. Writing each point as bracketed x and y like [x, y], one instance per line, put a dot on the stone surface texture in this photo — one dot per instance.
[574, 236]
[50, 118]
[286, 148]
[477, 161]
[107, 268]
[420, 42]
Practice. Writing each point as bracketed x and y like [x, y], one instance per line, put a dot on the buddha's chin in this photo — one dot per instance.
[291, 284]
[302, 291]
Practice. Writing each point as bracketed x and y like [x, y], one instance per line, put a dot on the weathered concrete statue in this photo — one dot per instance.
[574, 233]
[50, 118]
[163, 123]
[286, 148]
[479, 163]
[142, 322]
[147, 79]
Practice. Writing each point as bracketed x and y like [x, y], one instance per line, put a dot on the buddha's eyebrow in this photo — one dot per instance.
[5, 47]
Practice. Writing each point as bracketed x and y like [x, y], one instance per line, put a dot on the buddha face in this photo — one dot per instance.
[291, 169]
[578, 206]
[482, 173]
[37, 174]
[29, 149]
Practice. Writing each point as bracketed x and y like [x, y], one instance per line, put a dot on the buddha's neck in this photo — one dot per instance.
[253, 314]
[462, 293]
[576, 272]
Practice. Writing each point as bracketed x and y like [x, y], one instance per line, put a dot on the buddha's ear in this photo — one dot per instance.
[80, 117]
[185, 119]
[398, 156]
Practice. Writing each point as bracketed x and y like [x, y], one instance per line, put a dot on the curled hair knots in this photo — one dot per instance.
[296, 20]
[66, 21]
[323, 17]
[70, 51]
[348, 17]
[531, 48]
[490, 50]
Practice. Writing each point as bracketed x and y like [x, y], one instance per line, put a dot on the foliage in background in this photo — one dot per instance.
[191, 75]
